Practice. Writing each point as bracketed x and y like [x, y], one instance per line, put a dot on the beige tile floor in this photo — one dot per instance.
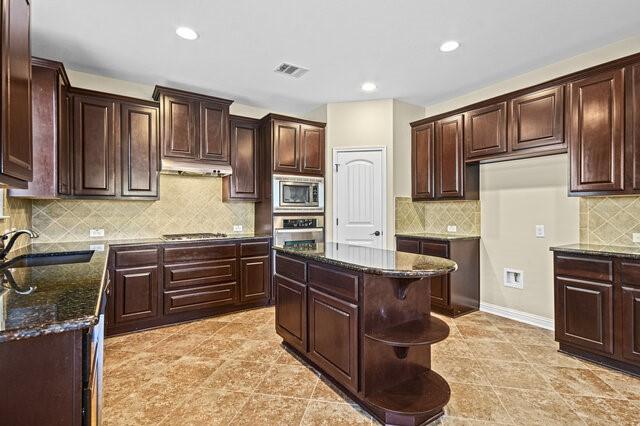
[233, 370]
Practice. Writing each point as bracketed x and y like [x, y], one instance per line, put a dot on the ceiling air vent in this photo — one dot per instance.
[291, 70]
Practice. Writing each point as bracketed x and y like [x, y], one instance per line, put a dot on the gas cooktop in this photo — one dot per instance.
[194, 236]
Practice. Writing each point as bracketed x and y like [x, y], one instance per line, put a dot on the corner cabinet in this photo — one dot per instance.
[15, 126]
[244, 183]
[194, 127]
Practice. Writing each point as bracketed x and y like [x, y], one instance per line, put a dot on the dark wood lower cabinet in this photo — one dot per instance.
[457, 293]
[597, 308]
[163, 284]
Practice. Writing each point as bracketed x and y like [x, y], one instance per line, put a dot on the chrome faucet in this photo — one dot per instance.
[6, 247]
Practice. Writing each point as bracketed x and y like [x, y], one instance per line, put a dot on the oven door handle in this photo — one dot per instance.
[283, 230]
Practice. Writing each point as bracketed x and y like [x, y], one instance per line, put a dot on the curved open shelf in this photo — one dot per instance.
[424, 331]
[423, 394]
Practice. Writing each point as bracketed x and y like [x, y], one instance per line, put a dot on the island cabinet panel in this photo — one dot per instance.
[631, 323]
[244, 183]
[485, 131]
[94, 137]
[139, 150]
[286, 147]
[333, 281]
[422, 161]
[596, 132]
[136, 294]
[291, 311]
[333, 337]
[255, 280]
[536, 120]
[312, 150]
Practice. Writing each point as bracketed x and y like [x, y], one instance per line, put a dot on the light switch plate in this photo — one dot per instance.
[539, 231]
[636, 237]
[237, 228]
[96, 232]
[452, 228]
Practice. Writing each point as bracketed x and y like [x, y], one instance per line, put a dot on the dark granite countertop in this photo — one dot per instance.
[375, 261]
[601, 250]
[160, 240]
[434, 236]
[64, 297]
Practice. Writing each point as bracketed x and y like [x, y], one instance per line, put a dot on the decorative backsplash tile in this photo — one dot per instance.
[186, 204]
[435, 216]
[609, 220]
[19, 212]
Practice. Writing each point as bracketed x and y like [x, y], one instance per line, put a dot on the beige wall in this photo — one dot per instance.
[403, 115]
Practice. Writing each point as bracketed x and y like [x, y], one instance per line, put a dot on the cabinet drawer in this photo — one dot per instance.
[584, 267]
[630, 273]
[431, 248]
[334, 282]
[199, 273]
[200, 298]
[408, 245]
[128, 258]
[194, 253]
[291, 268]
[254, 249]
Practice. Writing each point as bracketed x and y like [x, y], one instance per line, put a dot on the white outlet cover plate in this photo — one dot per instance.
[539, 231]
[636, 237]
[452, 228]
[237, 228]
[96, 232]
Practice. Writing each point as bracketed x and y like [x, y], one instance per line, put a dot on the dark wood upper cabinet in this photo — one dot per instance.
[15, 125]
[486, 131]
[537, 120]
[214, 131]
[286, 147]
[139, 150]
[312, 150]
[194, 127]
[422, 161]
[633, 125]
[244, 183]
[65, 147]
[596, 132]
[94, 138]
[449, 158]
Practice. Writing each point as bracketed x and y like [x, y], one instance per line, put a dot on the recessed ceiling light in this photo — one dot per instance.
[186, 33]
[368, 86]
[449, 46]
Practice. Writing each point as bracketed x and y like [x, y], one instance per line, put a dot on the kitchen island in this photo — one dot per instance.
[362, 316]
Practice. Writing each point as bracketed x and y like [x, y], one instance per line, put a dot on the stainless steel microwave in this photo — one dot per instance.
[298, 194]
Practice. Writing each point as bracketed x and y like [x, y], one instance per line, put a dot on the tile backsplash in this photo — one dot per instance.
[18, 211]
[435, 216]
[186, 204]
[609, 220]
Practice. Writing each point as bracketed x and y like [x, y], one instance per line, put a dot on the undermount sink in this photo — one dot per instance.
[47, 259]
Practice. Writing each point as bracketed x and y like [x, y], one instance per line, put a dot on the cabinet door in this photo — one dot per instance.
[596, 133]
[312, 150]
[584, 314]
[422, 161]
[536, 119]
[178, 127]
[139, 150]
[449, 158]
[440, 290]
[214, 132]
[244, 183]
[408, 245]
[17, 148]
[94, 139]
[333, 337]
[254, 278]
[485, 131]
[630, 327]
[286, 147]
[633, 117]
[136, 294]
[291, 311]
[65, 154]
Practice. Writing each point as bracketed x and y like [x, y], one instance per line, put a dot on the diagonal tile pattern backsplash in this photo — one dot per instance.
[609, 220]
[186, 204]
[435, 216]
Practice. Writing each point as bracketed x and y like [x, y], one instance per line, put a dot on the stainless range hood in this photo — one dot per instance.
[177, 167]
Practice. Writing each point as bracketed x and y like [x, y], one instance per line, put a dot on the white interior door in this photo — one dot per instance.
[359, 196]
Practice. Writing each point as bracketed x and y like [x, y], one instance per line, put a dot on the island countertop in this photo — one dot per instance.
[374, 261]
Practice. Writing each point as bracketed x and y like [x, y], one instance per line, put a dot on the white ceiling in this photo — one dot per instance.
[344, 43]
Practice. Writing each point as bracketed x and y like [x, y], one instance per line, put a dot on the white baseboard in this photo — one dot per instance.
[516, 315]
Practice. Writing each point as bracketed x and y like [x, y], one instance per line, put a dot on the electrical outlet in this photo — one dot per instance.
[513, 278]
[452, 228]
[96, 232]
[539, 231]
[636, 237]
[237, 228]
[96, 247]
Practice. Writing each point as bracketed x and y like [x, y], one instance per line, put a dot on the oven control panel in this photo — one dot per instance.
[299, 223]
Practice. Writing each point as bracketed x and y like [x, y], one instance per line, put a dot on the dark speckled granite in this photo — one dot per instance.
[600, 250]
[375, 261]
[65, 297]
[441, 237]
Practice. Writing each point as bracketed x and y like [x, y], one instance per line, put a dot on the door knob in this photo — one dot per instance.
[377, 233]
